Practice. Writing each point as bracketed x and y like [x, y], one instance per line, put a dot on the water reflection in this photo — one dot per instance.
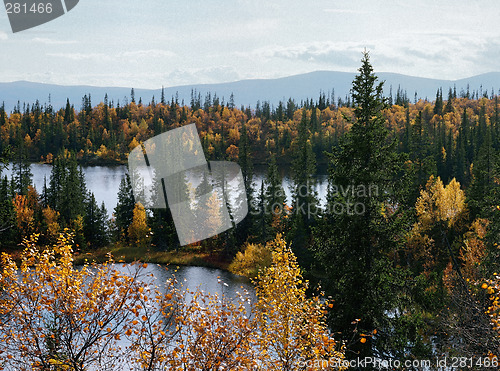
[104, 182]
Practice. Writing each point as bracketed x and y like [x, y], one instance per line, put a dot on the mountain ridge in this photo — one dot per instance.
[246, 92]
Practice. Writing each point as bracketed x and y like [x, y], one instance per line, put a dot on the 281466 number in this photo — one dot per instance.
[18, 8]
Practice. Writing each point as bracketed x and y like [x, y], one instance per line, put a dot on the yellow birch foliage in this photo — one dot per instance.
[251, 260]
[52, 314]
[138, 231]
[293, 334]
[437, 205]
[216, 334]
[55, 316]
[440, 203]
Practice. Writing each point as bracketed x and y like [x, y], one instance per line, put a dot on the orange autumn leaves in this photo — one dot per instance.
[492, 287]
[57, 316]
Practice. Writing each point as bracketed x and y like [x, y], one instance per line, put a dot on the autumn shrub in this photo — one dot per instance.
[251, 260]
[57, 316]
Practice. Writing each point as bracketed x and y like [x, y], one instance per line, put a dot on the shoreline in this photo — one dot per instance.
[126, 253]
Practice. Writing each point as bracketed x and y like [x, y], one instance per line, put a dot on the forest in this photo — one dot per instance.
[405, 247]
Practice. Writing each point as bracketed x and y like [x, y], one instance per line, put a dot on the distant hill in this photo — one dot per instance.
[246, 92]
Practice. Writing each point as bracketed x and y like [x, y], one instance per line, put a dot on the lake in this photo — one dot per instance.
[104, 182]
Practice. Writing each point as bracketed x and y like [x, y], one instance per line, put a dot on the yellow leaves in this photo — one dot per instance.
[437, 206]
[484, 286]
[253, 258]
[206, 332]
[291, 324]
[138, 231]
[58, 363]
[438, 202]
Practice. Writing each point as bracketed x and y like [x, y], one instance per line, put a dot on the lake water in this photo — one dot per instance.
[210, 280]
[104, 182]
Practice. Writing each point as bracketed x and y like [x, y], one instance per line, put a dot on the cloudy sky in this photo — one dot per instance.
[150, 43]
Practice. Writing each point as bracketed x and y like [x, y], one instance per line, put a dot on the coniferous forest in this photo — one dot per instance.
[405, 247]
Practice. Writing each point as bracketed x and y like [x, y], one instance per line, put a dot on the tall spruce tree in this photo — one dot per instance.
[304, 195]
[305, 204]
[367, 192]
[246, 228]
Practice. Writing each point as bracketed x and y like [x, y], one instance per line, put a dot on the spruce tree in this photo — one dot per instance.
[246, 228]
[275, 197]
[304, 196]
[95, 226]
[481, 195]
[21, 170]
[367, 192]
[7, 215]
[305, 204]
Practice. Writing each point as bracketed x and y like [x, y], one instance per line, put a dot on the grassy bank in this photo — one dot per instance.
[193, 256]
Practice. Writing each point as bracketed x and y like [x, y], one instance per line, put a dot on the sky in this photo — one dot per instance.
[154, 43]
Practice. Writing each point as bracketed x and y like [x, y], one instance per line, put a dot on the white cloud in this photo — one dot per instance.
[150, 53]
[136, 55]
[183, 76]
[81, 56]
[47, 41]
[344, 11]
[335, 53]
[3, 36]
